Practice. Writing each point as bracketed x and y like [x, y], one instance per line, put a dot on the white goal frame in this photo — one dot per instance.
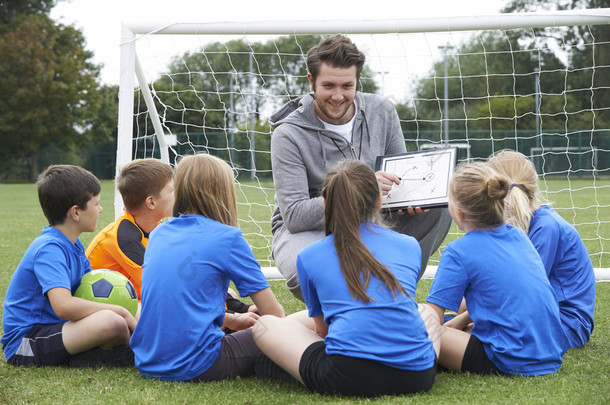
[131, 70]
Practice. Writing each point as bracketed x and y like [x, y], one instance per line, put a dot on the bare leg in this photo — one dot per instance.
[233, 293]
[284, 341]
[453, 347]
[433, 326]
[462, 307]
[104, 329]
[303, 318]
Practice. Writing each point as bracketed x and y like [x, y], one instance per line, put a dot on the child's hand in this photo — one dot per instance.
[253, 308]
[238, 321]
[460, 322]
[129, 319]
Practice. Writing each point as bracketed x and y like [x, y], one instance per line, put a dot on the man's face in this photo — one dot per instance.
[334, 92]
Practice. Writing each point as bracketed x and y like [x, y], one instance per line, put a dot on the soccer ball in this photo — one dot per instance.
[108, 287]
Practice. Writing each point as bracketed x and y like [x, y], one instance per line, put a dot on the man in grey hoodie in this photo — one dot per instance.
[315, 132]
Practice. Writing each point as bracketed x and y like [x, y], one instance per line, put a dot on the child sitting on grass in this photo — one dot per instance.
[495, 267]
[188, 265]
[44, 325]
[147, 189]
[566, 260]
[367, 337]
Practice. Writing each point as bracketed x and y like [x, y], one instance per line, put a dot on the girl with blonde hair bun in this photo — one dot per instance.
[496, 269]
[188, 265]
[566, 259]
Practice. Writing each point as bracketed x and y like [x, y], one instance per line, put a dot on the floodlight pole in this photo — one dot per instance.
[231, 120]
[537, 100]
[382, 73]
[446, 49]
[252, 131]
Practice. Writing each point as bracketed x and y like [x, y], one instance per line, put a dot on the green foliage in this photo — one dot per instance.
[207, 94]
[578, 39]
[492, 80]
[48, 91]
[204, 82]
[10, 9]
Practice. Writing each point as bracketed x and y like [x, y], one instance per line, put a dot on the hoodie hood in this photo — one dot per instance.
[299, 112]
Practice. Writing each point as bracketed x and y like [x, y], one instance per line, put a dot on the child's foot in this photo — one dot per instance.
[120, 356]
[235, 305]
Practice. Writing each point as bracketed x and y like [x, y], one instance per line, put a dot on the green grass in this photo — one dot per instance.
[583, 378]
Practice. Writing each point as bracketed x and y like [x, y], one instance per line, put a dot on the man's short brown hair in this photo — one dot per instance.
[337, 51]
[142, 178]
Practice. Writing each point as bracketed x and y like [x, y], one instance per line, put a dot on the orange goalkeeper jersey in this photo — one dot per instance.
[120, 246]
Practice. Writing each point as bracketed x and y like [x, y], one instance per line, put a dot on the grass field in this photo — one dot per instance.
[583, 378]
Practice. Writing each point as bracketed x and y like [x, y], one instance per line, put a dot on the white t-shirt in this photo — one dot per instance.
[344, 130]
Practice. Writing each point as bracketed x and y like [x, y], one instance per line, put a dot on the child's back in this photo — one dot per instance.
[566, 260]
[512, 322]
[360, 330]
[569, 270]
[508, 296]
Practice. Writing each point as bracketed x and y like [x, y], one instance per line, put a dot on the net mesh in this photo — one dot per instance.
[543, 92]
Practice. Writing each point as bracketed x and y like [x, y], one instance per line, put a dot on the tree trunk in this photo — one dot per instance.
[33, 165]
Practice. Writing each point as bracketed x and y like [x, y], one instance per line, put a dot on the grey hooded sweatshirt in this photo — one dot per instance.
[302, 152]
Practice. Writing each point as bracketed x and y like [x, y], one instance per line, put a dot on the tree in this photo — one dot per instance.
[10, 9]
[48, 91]
[491, 85]
[211, 92]
[587, 46]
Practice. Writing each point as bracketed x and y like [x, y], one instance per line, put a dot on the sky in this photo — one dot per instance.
[100, 20]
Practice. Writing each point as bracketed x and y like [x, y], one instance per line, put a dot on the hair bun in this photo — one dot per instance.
[497, 187]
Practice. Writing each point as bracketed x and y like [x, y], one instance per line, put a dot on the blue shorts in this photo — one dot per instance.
[42, 346]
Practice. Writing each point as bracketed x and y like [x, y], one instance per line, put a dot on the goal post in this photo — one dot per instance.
[481, 83]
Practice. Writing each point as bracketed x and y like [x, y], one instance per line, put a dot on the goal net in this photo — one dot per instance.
[539, 84]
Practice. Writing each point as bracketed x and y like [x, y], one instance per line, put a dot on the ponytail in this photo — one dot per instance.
[522, 200]
[351, 195]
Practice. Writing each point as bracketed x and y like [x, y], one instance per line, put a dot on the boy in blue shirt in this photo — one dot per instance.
[44, 324]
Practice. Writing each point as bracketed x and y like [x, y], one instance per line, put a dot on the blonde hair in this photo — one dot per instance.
[479, 192]
[351, 194]
[522, 199]
[204, 185]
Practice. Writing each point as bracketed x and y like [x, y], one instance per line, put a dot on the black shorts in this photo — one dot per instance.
[475, 359]
[42, 346]
[343, 375]
[238, 353]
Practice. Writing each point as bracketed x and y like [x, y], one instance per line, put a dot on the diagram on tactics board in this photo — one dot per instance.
[424, 177]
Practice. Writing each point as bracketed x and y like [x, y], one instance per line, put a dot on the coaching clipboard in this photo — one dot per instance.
[424, 178]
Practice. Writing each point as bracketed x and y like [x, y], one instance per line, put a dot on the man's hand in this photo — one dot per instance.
[412, 211]
[386, 181]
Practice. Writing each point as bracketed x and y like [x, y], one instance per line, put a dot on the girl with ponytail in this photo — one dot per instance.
[566, 260]
[366, 336]
[496, 269]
